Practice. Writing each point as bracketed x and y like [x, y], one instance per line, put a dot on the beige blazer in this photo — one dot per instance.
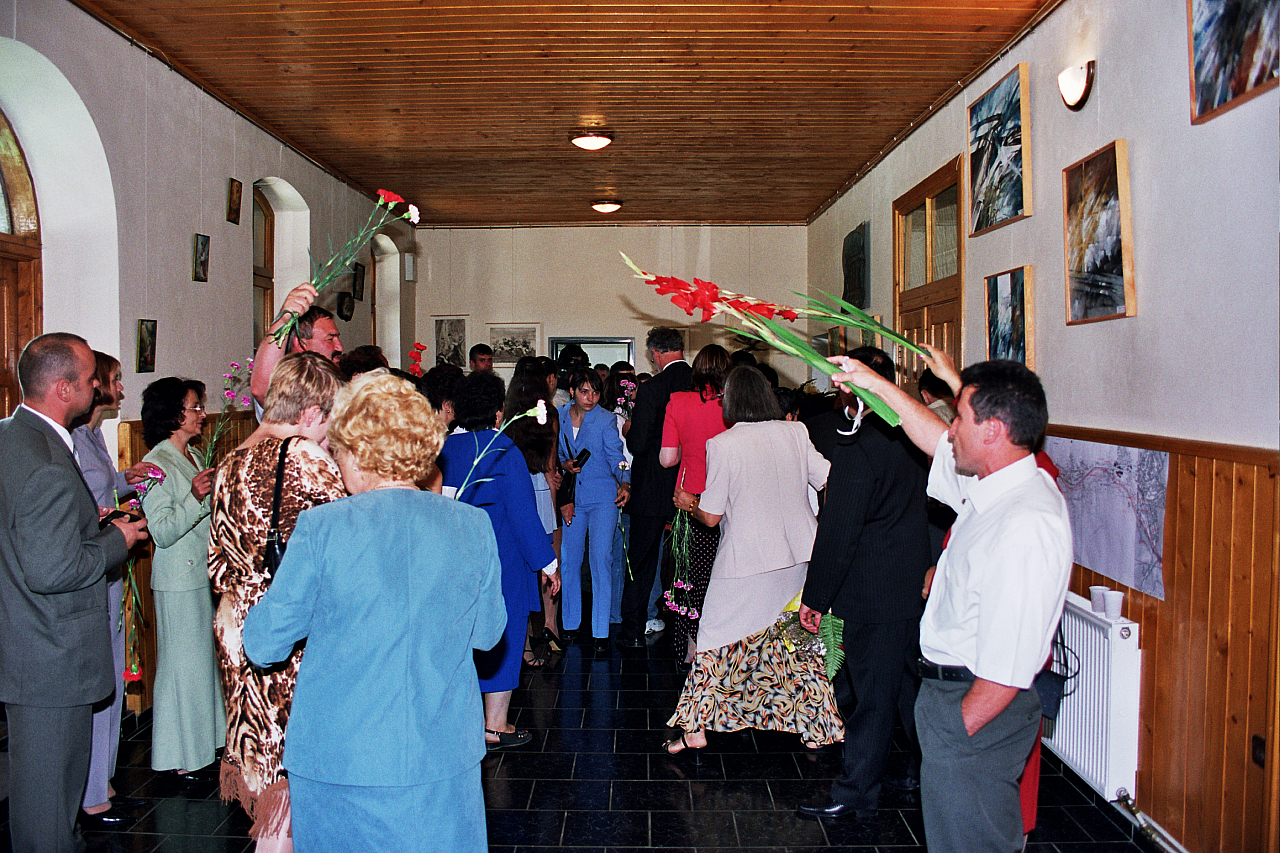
[758, 476]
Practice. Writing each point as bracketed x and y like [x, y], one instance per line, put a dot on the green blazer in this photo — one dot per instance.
[178, 523]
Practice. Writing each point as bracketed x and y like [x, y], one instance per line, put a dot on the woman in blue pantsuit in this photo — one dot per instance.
[392, 588]
[603, 485]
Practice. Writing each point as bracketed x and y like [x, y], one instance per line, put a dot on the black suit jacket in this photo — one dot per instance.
[872, 546]
[55, 649]
[653, 486]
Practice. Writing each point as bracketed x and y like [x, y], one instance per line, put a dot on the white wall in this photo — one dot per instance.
[169, 152]
[1199, 361]
[574, 282]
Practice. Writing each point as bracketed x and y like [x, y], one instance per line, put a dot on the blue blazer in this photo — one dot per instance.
[392, 589]
[598, 481]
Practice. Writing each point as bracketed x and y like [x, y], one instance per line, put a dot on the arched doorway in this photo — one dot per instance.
[20, 284]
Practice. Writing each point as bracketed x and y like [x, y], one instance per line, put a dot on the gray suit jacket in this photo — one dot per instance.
[54, 645]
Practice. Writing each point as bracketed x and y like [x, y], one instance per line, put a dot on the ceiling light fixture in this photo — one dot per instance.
[1075, 83]
[606, 205]
[591, 140]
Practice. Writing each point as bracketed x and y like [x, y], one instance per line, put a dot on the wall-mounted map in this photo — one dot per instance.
[1116, 499]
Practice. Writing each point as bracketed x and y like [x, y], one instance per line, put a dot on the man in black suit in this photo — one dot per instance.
[652, 486]
[868, 566]
[55, 650]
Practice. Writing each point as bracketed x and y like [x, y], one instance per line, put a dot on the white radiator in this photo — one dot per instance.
[1096, 732]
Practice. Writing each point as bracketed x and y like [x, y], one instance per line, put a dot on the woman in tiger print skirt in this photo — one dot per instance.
[258, 701]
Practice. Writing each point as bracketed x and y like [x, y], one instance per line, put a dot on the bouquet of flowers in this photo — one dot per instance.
[131, 611]
[828, 643]
[339, 263]
[415, 358]
[760, 321]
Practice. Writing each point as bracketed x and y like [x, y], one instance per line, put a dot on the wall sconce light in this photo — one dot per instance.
[591, 140]
[606, 205]
[1075, 84]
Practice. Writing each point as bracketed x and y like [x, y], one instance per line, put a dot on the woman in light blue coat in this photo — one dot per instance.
[603, 485]
[393, 588]
[188, 719]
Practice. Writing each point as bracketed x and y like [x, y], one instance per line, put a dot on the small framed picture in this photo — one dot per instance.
[235, 191]
[357, 282]
[513, 341]
[410, 267]
[346, 306]
[146, 347]
[451, 340]
[200, 258]
[1011, 327]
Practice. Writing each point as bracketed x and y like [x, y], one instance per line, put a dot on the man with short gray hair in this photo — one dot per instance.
[55, 650]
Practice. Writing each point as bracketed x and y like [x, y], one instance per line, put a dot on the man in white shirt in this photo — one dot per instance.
[996, 598]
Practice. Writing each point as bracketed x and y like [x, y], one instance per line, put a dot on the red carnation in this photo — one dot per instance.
[419, 347]
[389, 198]
[131, 675]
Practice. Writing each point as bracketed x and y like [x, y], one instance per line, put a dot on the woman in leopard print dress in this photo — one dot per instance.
[258, 701]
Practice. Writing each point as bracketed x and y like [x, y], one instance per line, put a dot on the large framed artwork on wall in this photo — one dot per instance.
[1233, 56]
[1011, 327]
[1098, 236]
[999, 154]
[513, 341]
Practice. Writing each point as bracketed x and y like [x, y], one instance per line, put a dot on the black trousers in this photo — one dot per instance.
[879, 672]
[642, 550]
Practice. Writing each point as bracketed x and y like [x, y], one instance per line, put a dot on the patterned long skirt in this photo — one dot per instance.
[761, 683]
[703, 542]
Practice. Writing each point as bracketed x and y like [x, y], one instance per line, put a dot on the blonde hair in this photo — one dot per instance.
[387, 426]
[299, 381]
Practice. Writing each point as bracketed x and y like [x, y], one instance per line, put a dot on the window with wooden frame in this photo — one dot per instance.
[264, 240]
[928, 267]
[20, 284]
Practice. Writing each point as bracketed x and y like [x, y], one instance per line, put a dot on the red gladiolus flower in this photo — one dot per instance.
[763, 309]
[789, 314]
[389, 198]
[666, 284]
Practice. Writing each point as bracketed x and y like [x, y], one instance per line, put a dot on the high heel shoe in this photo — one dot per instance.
[553, 640]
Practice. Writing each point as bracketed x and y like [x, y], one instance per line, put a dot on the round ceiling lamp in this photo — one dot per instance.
[607, 205]
[591, 140]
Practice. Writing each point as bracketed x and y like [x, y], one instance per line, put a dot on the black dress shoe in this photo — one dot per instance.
[120, 801]
[112, 819]
[603, 648]
[831, 810]
[631, 642]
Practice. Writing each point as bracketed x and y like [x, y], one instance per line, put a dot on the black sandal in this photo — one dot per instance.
[683, 744]
[533, 659]
[506, 740]
[553, 641]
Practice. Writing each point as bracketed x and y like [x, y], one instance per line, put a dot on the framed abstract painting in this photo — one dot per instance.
[999, 154]
[1011, 316]
[1098, 236]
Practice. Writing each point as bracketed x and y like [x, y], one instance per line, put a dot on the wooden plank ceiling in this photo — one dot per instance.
[723, 111]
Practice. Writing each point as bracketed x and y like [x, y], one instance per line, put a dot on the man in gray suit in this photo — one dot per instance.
[55, 652]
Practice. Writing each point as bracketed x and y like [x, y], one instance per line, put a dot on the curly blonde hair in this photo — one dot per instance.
[387, 426]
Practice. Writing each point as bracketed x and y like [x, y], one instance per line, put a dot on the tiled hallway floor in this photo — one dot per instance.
[594, 780]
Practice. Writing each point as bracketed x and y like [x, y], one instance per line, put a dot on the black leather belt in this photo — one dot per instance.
[928, 669]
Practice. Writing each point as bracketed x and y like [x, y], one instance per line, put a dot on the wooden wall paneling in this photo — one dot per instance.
[1210, 656]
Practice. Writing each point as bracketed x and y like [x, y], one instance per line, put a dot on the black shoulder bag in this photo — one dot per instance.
[273, 551]
[1051, 682]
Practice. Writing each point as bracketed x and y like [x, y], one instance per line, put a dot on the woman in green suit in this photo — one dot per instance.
[188, 721]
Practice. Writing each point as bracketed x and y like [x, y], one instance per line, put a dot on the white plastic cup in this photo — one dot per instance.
[1113, 603]
[1096, 600]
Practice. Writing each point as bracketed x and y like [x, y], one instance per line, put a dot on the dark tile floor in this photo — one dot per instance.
[593, 780]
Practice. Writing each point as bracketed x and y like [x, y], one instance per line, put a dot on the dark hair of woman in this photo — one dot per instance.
[477, 399]
[710, 366]
[162, 407]
[104, 367]
[788, 400]
[622, 367]
[584, 377]
[438, 384]
[537, 367]
[536, 441]
[748, 397]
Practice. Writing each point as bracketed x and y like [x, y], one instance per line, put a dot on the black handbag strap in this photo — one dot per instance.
[274, 531]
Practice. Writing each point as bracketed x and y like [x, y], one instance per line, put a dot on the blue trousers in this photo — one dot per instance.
[619, 567]
[593, 527]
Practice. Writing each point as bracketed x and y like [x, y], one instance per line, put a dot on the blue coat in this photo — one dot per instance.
[392, 590]
[599, 478]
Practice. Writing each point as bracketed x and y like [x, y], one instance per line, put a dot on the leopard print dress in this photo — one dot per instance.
[258, 700]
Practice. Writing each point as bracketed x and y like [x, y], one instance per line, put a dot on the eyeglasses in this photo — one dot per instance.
[196, 408]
